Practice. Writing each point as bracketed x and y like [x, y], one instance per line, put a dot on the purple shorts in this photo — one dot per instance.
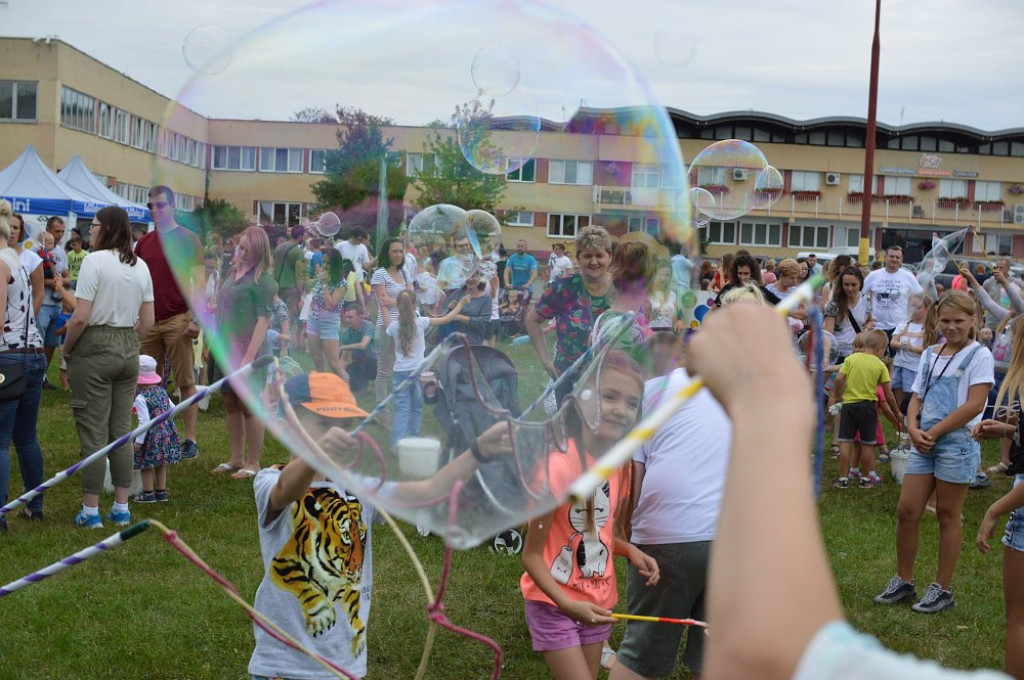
[552, 630]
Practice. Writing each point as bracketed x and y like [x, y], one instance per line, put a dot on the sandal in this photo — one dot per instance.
[243, 473]
[999, 469]
[224, 468]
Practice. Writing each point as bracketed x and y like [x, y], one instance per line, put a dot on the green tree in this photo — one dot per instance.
[351, 183]
[449, 177]
[215, 216]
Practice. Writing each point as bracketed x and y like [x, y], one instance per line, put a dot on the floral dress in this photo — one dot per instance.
[574, 310]
[161, 444]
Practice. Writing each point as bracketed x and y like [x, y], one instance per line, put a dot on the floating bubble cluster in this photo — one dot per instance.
[728, 170]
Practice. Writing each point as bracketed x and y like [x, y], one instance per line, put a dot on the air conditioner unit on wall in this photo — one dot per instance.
[739, 174]
[832, 179]
[1018, 213]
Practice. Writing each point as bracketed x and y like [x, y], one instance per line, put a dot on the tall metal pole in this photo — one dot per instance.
[869, 143]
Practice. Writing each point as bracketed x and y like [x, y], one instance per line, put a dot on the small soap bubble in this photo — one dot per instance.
[495, 70]
[207, 50]
[498, 135]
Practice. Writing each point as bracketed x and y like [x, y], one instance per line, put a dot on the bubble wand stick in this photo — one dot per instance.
[120, 441]
[660, 619]
[977, 233]
[72, 560]
[584, 486]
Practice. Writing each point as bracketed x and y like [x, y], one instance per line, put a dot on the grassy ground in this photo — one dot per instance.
[143, 611]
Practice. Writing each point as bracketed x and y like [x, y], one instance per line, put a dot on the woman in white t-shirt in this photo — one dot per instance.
[407, 333]
[665, 313]
[848, 312]
[29, 260]
[387, 282]
[114, 309]
[908, 342]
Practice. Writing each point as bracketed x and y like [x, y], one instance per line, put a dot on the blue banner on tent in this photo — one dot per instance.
[59, 206]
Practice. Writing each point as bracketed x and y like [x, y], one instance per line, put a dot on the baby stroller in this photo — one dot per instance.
[464, 418]
[512, 307]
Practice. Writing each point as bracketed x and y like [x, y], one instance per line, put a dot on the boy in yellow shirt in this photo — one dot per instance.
[856, 387]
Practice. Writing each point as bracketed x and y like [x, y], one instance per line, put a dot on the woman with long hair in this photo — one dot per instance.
[324, 326]
[949, 397]
[21, 348]
[113, 310]
[408, 333]
[847, 312]
[244, 304]
[387, 282]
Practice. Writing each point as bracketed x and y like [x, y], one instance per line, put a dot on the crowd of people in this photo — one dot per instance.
[695, 515]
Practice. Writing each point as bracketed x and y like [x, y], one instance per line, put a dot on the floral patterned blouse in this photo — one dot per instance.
[574, 310]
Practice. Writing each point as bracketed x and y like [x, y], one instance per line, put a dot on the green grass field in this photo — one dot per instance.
[143, 611]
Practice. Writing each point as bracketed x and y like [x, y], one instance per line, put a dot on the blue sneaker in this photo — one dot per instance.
[189, 449]
[88, 521]
[119, 519]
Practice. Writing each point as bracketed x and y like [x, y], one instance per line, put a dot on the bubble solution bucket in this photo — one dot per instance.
[898, 458]
[418, 457]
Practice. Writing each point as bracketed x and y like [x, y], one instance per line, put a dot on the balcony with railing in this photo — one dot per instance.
[895, 208]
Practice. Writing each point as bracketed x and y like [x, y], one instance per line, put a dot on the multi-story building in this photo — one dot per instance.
[928, 177]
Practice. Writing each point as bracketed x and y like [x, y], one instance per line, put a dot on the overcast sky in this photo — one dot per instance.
[949, 60]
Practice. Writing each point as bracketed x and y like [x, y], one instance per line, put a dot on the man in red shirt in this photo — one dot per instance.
[172, 335]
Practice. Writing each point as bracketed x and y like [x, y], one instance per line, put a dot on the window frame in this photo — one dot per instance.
[815, 232]
[517, 174]
[799, 180]
[227, 151]
[519, 218]
[561, 217]
[559, 176]
[722, 225]
[768, 228]
[270, 159]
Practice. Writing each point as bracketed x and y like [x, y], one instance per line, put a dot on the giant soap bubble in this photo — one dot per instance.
[571, 122]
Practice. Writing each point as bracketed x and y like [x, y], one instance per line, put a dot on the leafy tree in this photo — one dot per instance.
[215, 216]
[351, 183]
[314, 114]
[450, 178]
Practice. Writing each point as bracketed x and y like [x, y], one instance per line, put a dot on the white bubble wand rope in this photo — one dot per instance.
[622, 452]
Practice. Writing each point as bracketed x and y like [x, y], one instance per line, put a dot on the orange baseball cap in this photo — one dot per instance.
[324, 394]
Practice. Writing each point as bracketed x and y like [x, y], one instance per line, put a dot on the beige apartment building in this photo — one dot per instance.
[929, 177]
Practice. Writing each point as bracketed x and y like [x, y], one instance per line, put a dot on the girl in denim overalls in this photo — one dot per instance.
[1011, 432]
[944, 456]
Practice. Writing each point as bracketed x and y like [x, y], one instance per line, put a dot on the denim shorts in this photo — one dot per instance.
[552, 630]
[46, 322]
[324, 326]
[903, 378]
[1013, 536]
[952, 464]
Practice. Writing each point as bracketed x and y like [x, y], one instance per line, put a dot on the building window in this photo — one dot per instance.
[808, 237]
[722, 233]
[280, 160]
[77, 110]
[651, 225]
[760, 234]
[138, 194]
[898, 186]
[571, 172]
[413, 164]
[185, 203]
[122, 126]
[646, 177]
[526, 172]
[17, 101]
[233, 158]
[317, 161]
[856, 184]
[565, 226]
[988, 191]
[952, 188]
[106, 129]
[805, 181]
[848, 237]
[712, 176]
[519, 218]
[280, 212]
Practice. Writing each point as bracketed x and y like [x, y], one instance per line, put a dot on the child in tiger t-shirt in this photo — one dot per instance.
[315, 538]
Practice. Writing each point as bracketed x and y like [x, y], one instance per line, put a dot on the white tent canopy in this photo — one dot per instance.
[79, 177]
[34, 189]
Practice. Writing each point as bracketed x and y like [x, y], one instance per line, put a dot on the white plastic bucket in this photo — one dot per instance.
[898, 458]
[418, 457]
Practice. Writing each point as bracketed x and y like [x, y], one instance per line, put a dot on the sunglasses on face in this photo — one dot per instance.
[157, 204]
